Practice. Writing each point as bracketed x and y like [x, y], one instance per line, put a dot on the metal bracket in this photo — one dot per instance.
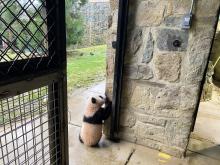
[187, 19]
[114, 44]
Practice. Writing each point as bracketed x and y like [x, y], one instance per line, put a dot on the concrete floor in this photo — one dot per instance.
[28, 147]
[203, 148]
[200, 152]
[208, 122]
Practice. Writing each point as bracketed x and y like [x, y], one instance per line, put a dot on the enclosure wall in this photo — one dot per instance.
[163, 70]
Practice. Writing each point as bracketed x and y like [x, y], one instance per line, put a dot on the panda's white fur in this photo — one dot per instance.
[91, 134]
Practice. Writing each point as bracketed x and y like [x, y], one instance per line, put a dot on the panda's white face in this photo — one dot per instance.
[98, 101]
[94, 104]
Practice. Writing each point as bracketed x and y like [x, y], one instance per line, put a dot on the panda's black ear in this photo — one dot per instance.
[93, 100]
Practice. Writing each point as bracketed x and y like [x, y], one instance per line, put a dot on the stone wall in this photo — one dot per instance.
[163, 70]
[95, 14]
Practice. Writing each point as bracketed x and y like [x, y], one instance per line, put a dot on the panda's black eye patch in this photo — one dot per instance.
[93, 100]
[101, 97]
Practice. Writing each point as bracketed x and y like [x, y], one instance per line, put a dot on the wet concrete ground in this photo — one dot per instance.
[204, 148]
[21, 142]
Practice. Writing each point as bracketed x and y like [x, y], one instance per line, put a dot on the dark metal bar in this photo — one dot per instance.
[26, 85]
[119, 61]
[18, 75]
[53, 92]
[53, 111]
[62, 86]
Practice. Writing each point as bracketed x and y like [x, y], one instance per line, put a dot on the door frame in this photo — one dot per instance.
[118, 68]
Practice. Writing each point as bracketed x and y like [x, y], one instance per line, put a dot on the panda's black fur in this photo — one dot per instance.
[99, 116]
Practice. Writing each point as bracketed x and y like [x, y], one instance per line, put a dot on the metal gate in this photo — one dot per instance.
[33, 103]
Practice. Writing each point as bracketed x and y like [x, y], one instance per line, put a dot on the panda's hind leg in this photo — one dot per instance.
[95, 145]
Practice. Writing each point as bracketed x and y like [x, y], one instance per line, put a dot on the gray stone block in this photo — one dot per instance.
[195, 61]
[173, 21]
[148, 131]
[177, 132]
[150, 119]
[150, 12]
[148, 53]
[172, 40]
[167, 66]
[131, 72]
[145, 72]
[135, 41]
[189, 97]
[127, 119]
[168, 98]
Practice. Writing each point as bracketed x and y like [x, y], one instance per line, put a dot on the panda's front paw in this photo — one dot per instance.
[107, 101]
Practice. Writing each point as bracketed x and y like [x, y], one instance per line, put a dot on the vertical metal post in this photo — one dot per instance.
[119, 62]
[53, 93]
[60, 88]
[53, 123]
[61, 50]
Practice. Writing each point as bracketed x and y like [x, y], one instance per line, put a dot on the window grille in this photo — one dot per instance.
[25, 134]
[25, 33]
[33, 115]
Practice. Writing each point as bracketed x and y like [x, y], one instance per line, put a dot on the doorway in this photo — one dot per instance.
[87, 31]
[87, 57]
[111, 54]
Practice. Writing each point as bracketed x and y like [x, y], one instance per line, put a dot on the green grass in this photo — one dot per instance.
[86, 69]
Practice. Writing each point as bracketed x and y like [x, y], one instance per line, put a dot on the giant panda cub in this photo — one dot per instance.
[98, 110]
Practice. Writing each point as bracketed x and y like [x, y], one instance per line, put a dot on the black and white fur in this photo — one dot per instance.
[98, 110]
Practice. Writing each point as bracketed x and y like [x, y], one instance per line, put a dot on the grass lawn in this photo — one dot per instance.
[86, 66]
